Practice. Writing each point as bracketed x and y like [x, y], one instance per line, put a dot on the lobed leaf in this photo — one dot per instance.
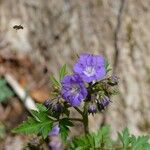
[41, 107]
[63, 72]
[54, 81]
[39, 123]
[107, 66]
[64, 125]
[125, 137]
[98, 140]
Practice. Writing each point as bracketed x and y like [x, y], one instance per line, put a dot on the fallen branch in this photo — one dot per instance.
[20, 92]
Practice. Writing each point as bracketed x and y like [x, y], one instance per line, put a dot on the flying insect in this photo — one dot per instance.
[18, 27]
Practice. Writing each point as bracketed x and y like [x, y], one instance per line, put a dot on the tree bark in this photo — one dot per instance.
[55, 30]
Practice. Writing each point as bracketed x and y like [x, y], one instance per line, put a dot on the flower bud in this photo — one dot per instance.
[104, 102]
[92, 108]
[47, 103]
[57, 107]
[55, 131]
[113, 80]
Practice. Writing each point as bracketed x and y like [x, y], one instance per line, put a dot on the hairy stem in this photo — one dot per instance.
[85, 123]
[78, 110]
[84, 115]
[85, 119]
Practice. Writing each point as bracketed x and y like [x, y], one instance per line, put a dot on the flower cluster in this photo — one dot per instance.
[89, 68]
[88, 83]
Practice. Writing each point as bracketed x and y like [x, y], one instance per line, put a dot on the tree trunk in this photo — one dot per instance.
[55, 30]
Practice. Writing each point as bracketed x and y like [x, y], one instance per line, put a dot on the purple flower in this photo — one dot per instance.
[73, 89]
[90, 67]
[55, 131]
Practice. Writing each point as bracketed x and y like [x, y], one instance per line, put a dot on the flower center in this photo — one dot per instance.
[89, 71]
[75, 89]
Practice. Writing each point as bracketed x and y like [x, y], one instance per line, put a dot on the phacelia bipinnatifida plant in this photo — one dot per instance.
[88, 90]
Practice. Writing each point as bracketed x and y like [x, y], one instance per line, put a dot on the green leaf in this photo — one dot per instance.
[64, 132]
[41, 107]
[107, 66]
[140, 143]
[100, 140]
[32, 126]
[81, 143]
[46, 127]
[29, 126]
[63, 72]
[39, 123]
[64, 125]
[101, 137]
[133, 143]
[54, 81]
[39, 116]
[92, 141]
[125, 137]
[5, 91]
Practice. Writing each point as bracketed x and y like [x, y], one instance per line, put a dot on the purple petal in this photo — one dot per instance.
[90, 67]
[73, 89]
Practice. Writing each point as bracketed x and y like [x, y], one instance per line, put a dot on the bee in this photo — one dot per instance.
[18, 27]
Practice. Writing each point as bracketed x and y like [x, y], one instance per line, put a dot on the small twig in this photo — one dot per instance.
[20, 92]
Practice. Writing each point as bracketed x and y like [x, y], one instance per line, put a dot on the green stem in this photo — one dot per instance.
[78, 110]
[84, 115]
[85, 119]
[85, 123]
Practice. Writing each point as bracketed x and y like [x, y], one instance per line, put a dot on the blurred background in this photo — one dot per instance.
[51, 33]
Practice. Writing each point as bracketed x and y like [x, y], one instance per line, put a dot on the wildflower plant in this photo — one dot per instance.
[87, 90]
